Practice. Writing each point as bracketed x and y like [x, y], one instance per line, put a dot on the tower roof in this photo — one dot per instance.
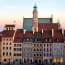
[35, 8]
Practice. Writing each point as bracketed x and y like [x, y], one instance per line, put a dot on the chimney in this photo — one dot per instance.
[63, 33]
[51, 18]
[24, 31]
[33, 32]
[52, 32]
[42, 31]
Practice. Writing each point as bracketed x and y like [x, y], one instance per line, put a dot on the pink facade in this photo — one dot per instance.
[35, 21]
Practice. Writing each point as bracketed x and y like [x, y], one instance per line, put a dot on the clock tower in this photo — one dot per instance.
[35, 19]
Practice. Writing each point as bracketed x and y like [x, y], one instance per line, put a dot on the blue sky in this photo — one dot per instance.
[11, 10]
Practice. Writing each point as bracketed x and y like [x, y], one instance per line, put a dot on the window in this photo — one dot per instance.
[35, 40]
[3, 53]
[37, 44]
[14, 44]
[50, 40]
[47, 45]
[44, 45]
[7, 54]
[10, 48]
[5, 60]
[27, 39]
[34, 44]
[3, 48]
[50, 54]
[40, 49]
[45, 40]
[10, 53]
[50, 49]
[7, 28]
[14, 49]
[3, 43]
[37, 49]
[7, 39]
[47, 49]
[14, 54]
[40, 55]
[7, 48]
[34, 55]
[20, 45]
[56, 39]
[40, 44]
[44, 49]
[37, 54]
[10, 43]
[47, 54]
[6, 43]
[34, 50]
[44, 54]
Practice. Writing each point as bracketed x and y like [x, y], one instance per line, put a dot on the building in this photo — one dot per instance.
[37, 48]
[40, 41]
[7, 44]
[0, 45]
[18, 48]
[30, 23]
[58, 47]
[64, 51]
[27, 47]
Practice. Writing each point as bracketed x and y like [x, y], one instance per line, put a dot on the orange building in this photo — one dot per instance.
[7, 44]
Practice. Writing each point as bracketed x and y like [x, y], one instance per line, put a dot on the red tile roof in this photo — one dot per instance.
[57, 34]
[9, 25]
[18, 37]
[37, 35]
[47, 34]
[47, 26]
[8, 33]
[28, 34]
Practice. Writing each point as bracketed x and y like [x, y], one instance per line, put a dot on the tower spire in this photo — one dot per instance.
[35, 19]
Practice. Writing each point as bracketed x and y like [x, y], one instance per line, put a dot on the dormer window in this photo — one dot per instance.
[24, 39]
[49, 39]
[36, 40]
[30, 39]
[27, 39]
[46, 40]
[6, 28]
[56, 39]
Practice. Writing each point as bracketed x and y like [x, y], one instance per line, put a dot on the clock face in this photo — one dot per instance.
[35, 16]
[35, 19]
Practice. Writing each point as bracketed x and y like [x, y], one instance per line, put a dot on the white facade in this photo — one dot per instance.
[58, 51]
[47, 52]
[27, 52]
[17, 55]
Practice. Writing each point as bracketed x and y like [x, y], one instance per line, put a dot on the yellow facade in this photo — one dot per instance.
[6, 44]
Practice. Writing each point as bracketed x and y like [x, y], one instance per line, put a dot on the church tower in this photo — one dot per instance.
[35, 19]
